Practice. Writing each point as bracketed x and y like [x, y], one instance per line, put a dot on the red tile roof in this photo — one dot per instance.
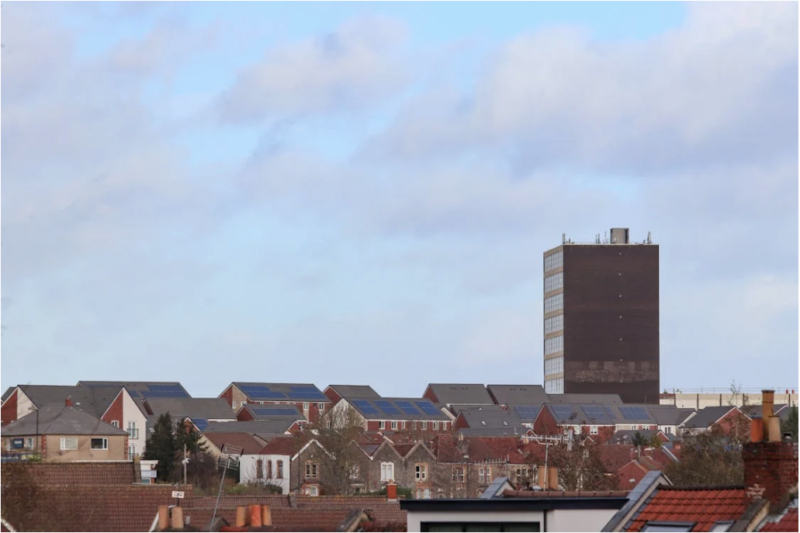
[241, 440]
[788, 522]
[404, 448]
[283, 446]
[615, 456]
[75, 473]
[703, 506]
[496, 449]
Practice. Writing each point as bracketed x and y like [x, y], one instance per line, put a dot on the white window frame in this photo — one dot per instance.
[104, 443]
[421, 472]
[233, 404]
[387, 471]
[63, 446]
[321, 406]
[381, 424]
[312, 490]
[593, 430]
[115, 423]
[424, 424]
[435, 425]
[394, 425]
[481, 475]
[314, 469]
[306, 406]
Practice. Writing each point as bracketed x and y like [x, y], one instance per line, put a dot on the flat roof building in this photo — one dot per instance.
[601, 318]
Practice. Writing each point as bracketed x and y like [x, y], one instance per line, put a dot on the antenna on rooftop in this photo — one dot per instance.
[648, 238]
[563, 238]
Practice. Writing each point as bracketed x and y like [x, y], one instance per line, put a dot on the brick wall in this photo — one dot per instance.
[770, 469]
[545, 424]
[9, 410]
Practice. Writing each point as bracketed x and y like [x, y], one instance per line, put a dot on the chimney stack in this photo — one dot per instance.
[68, 403]
[391, 491]
[770, 466]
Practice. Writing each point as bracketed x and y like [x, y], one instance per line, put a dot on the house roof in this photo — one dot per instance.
[398, 409]
[281, 392]
[605, 399]
[702, 506]
[55, 419]
[271, 412]
[255, 427]
[282, 446]
[565, 494]
[615, 456]
[144, 389]
[461, 393]
[669, 415]
[785, 521]
[626, 436]
[505, 449]
[491, 418]
[245, 441]
[708, 416]
[519, 394]
[179, 408]
[82, 473]
[354, 391]
[82, 398]
[7, 393]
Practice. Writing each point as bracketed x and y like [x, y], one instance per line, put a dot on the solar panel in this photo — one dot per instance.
[305, 390]
[260, 391]
[366, 407]
[428, 408]
[387, 407]
[408, 408]
[562, 412]
[633, 413]
[306, 396]
[527, 412]
[201, 423]
[133, 393]
[611, 414]
[165, 388]
[597, 413]
[274, 411]
[163, 394]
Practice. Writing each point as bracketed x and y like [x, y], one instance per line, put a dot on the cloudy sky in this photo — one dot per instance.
[361, 193]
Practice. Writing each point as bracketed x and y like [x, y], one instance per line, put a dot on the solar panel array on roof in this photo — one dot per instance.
[166, 388]
[164, 394]
[133, 393]
[260, 391]
[596, 413]
[201, 423]
[562, 411]
[633, 413]
[387, 407]
[527, 412]
[365, 407]
[428, 408]
[274, 411]
[408, 408]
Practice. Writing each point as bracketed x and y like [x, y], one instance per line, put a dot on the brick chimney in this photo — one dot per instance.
[770, 465]
[68, 403]
[391, 491]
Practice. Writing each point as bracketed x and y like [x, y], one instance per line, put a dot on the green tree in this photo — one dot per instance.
[790, 424]
[162, 446]
[187, 435]
[640, 441]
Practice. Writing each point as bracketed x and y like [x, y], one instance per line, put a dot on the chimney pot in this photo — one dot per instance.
[266, 515]
[177, 518]
[163, 517]
[68, 403]
[241, 516]
[255, 515]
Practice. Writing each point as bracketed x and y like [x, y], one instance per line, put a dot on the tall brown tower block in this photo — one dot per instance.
[601, 316]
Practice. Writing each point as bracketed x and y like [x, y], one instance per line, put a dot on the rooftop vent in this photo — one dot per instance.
[620, 236]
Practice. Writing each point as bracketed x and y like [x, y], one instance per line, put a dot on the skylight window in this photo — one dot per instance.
[668, 526]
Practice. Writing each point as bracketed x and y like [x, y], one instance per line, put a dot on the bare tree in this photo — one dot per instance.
[343, 465]
[708, 459]
[580, 468]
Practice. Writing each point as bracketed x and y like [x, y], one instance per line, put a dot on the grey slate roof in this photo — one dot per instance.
[59, 420]
[707, 416]
[83, 398]
[208, 408]
[493, 432]
[355, 391]
[586, 399]
[254, 427]
[582, 414]
[144, 389]
[519, 394]
[492, 418]
[669, 415]
[456, 393]
[626, 436]
[7, 393]
[455, 409]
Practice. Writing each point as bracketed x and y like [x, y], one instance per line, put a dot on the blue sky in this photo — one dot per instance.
[361, 193]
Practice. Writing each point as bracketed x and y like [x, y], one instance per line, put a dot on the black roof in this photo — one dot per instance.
[281, 392]
[707, 416]
[518, 394]
[354, 391]
[461, 393]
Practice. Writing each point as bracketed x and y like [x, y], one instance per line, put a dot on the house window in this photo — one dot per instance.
[259, 469]
[415, 424]
[423, 494]
[488, 474]
[133, 433]
[233, 405]
[321, 406]
[394, 424]
[311, 469]
[459, 473]
[100, 444]
[305, 406]
[313, 490]
[436, 425]
[115, 423]
[593, 430]
[69, 443]
[269, 469]
[354, 471]
[382, 424]
[424, 424]
[481, 475]
[387, 471]
[521, 474]
[421, 472]
[280, 469]
[131, 451]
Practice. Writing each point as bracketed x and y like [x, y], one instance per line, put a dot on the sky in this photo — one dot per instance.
[361, 193]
